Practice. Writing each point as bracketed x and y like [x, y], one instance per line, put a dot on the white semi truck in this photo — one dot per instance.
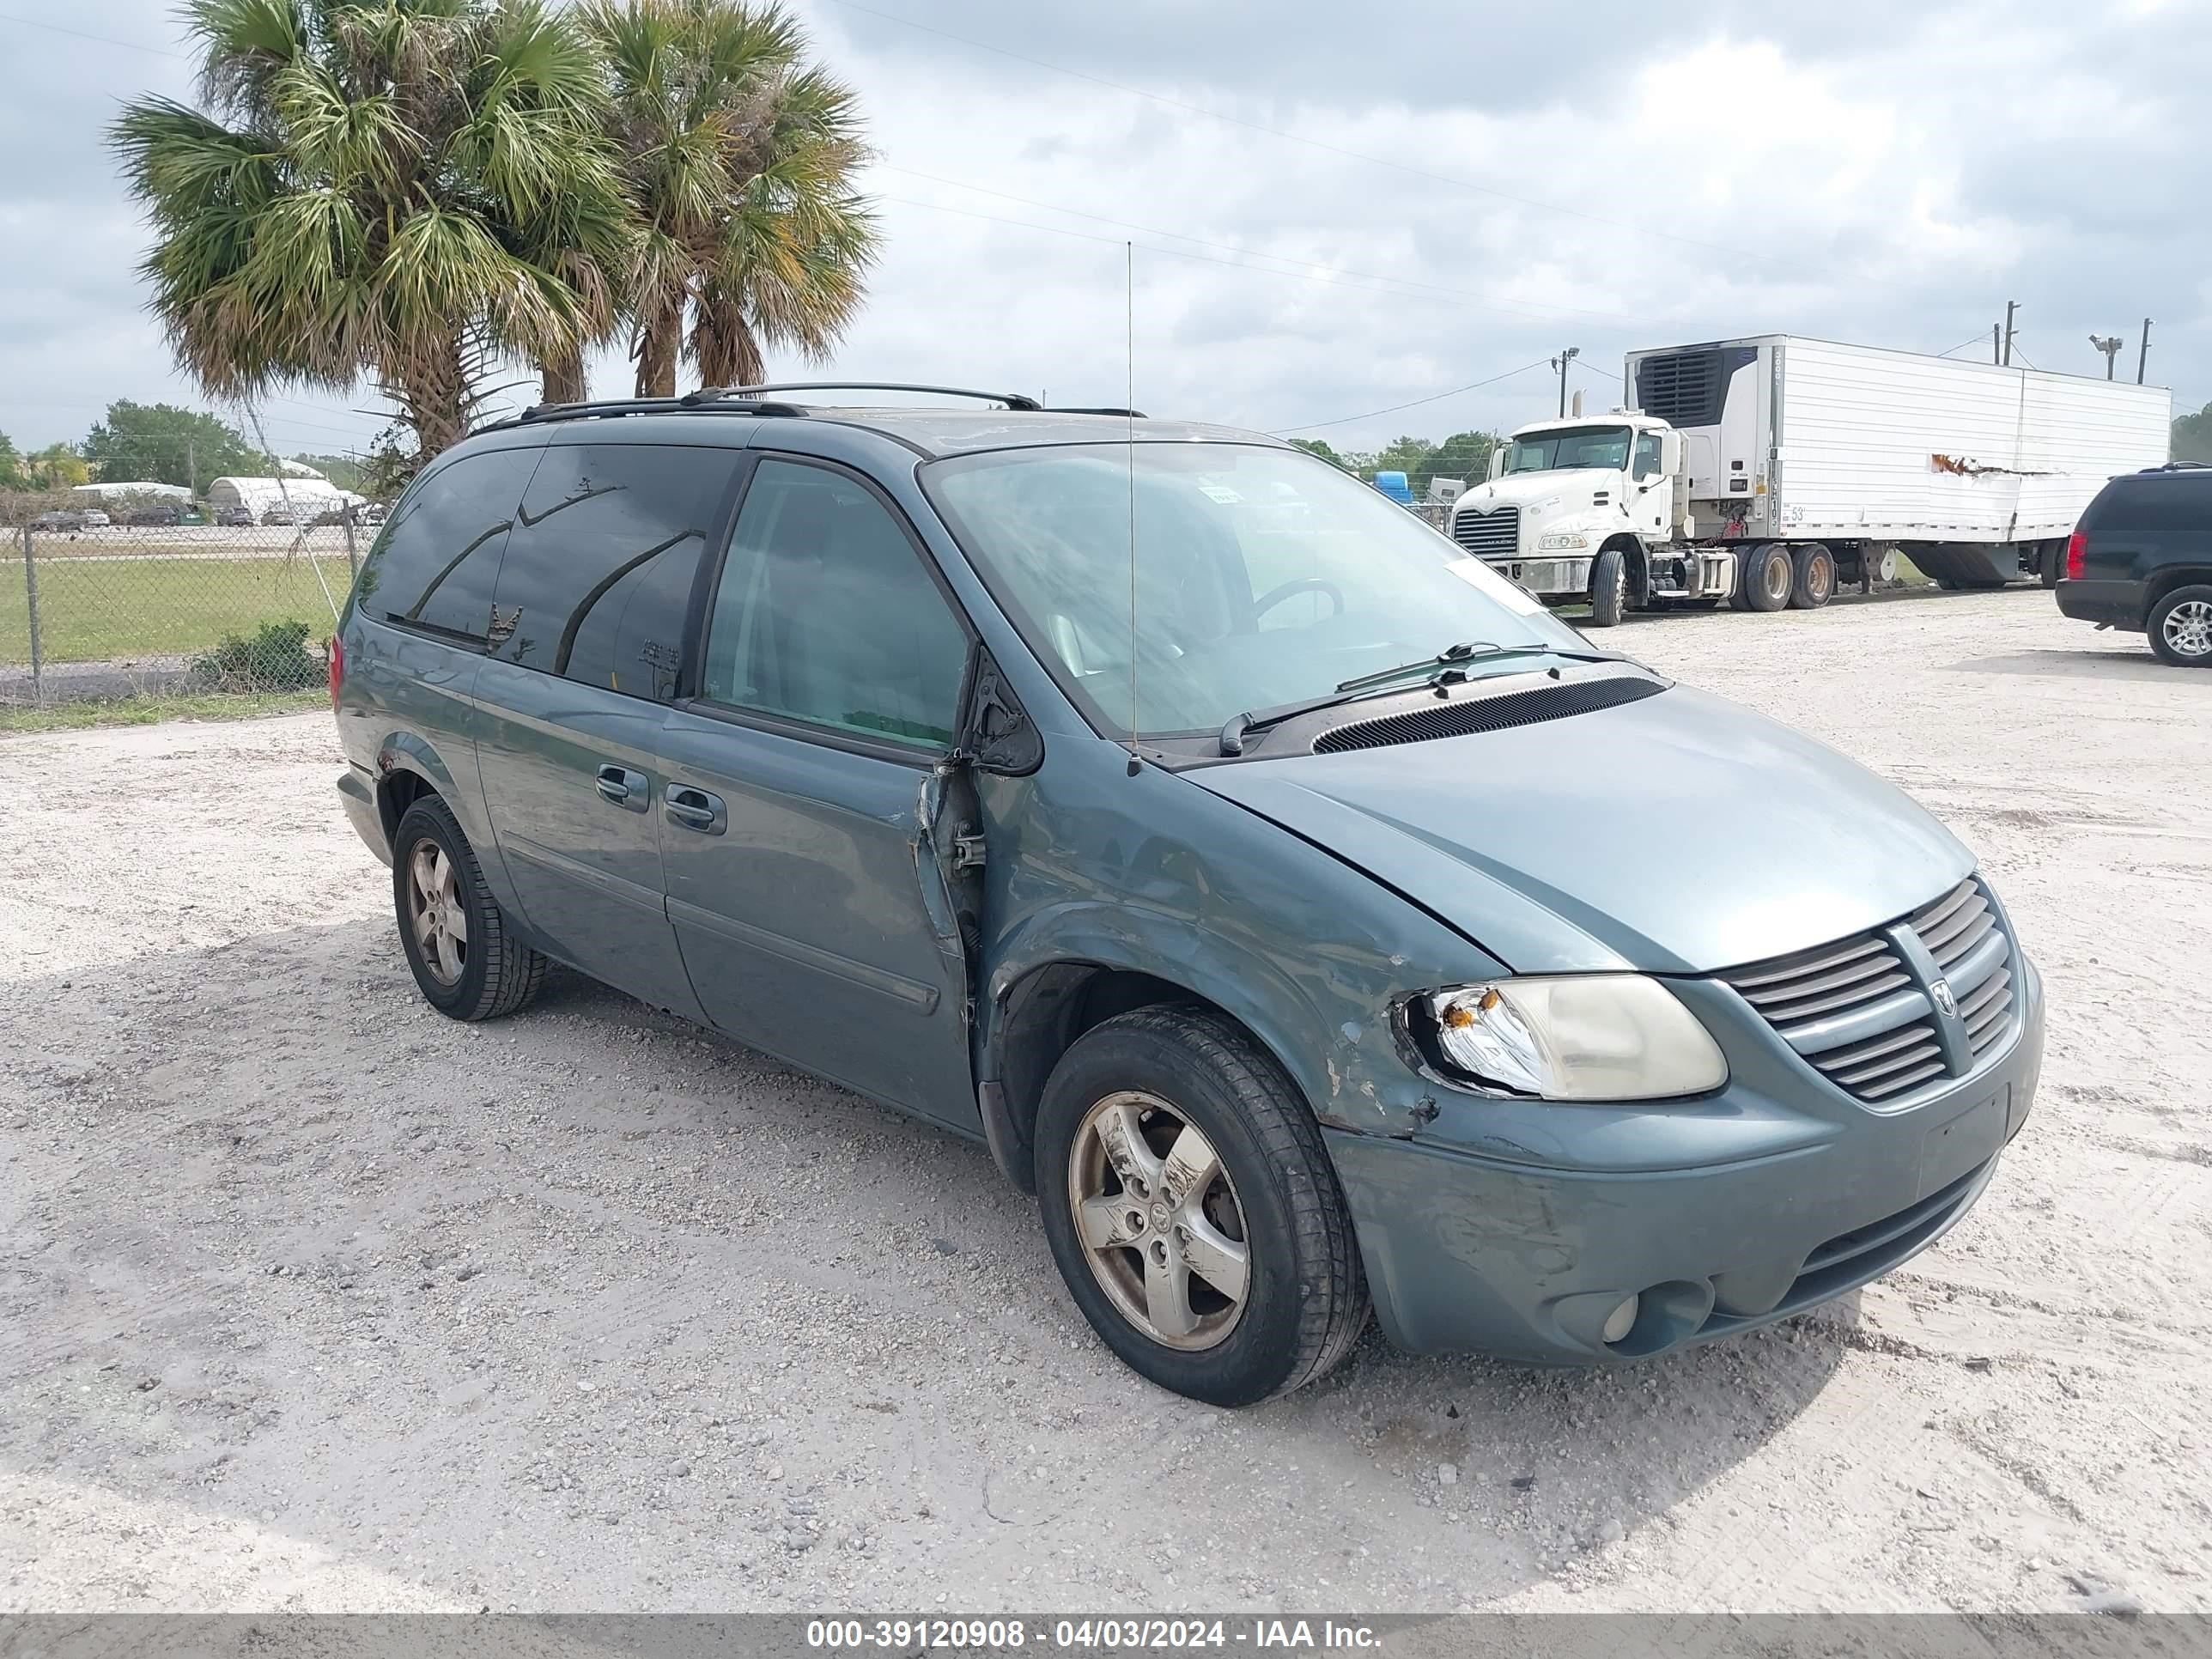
[1763, 470]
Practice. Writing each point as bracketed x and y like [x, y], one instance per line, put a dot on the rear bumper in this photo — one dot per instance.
[1468, 1253]
[358, 800]
[2116, 604]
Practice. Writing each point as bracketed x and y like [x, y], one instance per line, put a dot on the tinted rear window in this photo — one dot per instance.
[436, 565]
[2163, 504]
[597, 573]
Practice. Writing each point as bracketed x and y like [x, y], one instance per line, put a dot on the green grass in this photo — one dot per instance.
[107, 609]
[76, 715]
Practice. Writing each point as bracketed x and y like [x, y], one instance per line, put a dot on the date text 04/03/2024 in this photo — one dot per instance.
[1093, 1634]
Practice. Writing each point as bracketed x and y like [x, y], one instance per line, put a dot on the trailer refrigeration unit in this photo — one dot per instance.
[1765, 471]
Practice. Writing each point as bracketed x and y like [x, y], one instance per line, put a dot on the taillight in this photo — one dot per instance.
[2077, 555]
[338, 668]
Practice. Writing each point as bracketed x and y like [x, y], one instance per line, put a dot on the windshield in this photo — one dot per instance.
[1263, 576]
[1579, 446]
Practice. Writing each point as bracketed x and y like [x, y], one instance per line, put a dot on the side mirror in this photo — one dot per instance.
[996, 734]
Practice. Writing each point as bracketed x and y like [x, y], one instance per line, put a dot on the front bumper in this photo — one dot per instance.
[1470, 1251]
[1549, 576]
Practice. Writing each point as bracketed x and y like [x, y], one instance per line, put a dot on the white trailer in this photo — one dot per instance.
[1764, 470]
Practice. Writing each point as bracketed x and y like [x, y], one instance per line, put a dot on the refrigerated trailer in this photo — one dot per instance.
[1763, 471]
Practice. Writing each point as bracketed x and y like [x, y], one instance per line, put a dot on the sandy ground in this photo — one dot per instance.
[314, 1300]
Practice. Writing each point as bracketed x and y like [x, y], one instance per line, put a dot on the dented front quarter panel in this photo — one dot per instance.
[1153, 875]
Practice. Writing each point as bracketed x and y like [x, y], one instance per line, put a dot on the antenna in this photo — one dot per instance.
[1129, 352]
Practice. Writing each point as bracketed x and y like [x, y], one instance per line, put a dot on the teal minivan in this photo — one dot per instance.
[1309, 920]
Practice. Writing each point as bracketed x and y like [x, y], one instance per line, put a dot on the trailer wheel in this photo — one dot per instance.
[1768, 576]
[1813, 577]
[2053, 563]
[1608, 588]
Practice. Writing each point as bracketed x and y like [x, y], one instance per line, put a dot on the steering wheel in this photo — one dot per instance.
[1275, 596]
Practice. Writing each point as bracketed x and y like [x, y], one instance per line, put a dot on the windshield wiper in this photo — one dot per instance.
[1452, 660]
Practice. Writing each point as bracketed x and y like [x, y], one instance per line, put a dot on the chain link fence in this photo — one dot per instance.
[168, 599]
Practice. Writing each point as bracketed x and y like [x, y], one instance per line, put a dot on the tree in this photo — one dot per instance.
[11, 465]
[55, 467]
[387, 187]
[2192, 436]
[1319, 447]
[160, 443]
[346, 471]
[738, 160]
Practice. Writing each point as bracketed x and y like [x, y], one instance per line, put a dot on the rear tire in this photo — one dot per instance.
[1608, 588]
[466, 962]
[1812, 577]
[2180, 627]
[2053, 563]
[1118, 1217]
[1768, 577]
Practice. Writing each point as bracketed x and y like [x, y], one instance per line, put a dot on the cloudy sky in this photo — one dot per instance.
[1335, 211]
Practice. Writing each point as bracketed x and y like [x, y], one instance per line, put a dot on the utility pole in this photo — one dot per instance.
[2011, 306]
[2143, 356]
[2110, 344]
[1996, 343]
[1560, 363]
[192, 467]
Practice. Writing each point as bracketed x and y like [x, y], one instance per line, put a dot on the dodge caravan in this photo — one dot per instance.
[1306, 917]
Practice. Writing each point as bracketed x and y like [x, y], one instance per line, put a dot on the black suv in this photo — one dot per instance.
[2142, 559]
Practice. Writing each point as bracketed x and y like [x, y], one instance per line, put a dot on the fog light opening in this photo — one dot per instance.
[1621, 1320]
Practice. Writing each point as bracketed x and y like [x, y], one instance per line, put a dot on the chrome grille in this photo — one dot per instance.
[1960, 932]
[1488, 535]
[1857, 1009]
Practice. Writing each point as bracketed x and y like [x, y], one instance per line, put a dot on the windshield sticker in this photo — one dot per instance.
[1222, 493]
[1515, 598]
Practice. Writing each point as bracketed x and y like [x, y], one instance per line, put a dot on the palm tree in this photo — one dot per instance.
[739, 159]
[406, 189]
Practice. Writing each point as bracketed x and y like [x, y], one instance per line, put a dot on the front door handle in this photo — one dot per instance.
[624, 787]
[695, 809]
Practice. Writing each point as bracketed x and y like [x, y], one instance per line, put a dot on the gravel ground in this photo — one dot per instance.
[314, 1300]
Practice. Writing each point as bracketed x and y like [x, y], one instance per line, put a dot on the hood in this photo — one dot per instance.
[1571, 489]
[1679, 834]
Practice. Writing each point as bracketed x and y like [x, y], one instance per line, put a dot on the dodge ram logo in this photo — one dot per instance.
[1945, 1002]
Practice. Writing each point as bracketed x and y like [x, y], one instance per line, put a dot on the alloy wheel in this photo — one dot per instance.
[2188, 628]
[434, 912]
[1159, 1220]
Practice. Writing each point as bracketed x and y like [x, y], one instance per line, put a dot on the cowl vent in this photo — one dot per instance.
[1465, 716]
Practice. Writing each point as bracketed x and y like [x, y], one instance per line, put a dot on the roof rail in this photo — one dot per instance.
[1072, 408]
[709, 394]
[612, 406]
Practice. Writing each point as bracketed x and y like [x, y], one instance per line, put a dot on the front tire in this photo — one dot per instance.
[1192, 1210]
[466, 962]
[1608, 588]
[2180, 627]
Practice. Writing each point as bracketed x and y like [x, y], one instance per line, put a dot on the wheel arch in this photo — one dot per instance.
[1037, 1007]
[2164, 579]
[1637, 558]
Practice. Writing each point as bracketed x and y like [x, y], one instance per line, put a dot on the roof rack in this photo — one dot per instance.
[1072, 408]
[713, 394]
[612, 406]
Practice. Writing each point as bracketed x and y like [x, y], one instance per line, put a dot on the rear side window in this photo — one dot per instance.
[597, 575]
[436, 564]
[2167, 505]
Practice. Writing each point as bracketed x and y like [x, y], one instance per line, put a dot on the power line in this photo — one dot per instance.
[1261, 253]
[1732, 253]
[1184, 253]
[104, 40]
[1346, 420]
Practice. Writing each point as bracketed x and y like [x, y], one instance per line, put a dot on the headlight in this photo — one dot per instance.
[1561, 541]
[1589, 1036]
